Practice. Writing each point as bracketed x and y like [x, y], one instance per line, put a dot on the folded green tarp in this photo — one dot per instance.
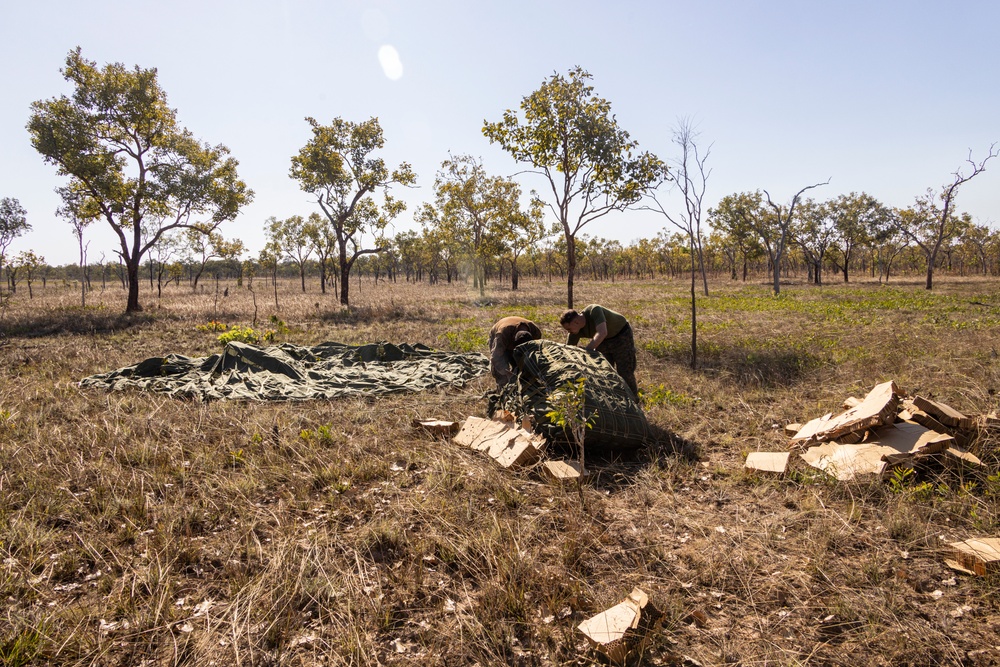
[545, 366]
[290, 372]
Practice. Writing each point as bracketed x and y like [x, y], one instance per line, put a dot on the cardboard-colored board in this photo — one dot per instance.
[888, 445]
[955, 456]
[943, 412]
[504, 442]
[773, 462]
[977, 555]
[851, 402]
[621, 630]
[877, 408]
[437, 426]
[564, 471]
[792, 429]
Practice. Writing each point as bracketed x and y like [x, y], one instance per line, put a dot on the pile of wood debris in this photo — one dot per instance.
[879, 433]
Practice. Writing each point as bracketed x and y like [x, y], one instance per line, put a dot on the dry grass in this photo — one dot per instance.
[137, 530]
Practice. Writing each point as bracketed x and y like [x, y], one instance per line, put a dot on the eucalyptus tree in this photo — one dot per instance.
[200, 246]
[929, 225]
[13, 223]
[475, 209]
[744, 220]
[338, 168]
[291, 238]
[856, 218]
[813, 231]
[781, 222]
[569, 135]
[121, 146]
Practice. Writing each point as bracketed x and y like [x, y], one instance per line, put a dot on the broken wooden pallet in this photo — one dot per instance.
[877, 408]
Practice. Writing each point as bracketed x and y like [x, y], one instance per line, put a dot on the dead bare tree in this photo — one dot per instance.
[930, 226]
[783, 220]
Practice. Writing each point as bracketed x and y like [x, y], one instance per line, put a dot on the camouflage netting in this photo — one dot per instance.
[289, 372]
[544, 366]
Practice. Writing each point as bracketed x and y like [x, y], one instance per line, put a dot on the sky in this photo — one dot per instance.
[885, 97]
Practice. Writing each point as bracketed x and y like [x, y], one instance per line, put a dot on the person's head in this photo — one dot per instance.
[522, 337]
[572, 321]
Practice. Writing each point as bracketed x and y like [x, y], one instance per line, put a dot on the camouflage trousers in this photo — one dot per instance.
[620, 352]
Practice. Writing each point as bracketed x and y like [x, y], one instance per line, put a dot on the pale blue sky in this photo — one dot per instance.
[885, 97]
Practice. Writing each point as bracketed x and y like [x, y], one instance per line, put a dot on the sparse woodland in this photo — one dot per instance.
[136, 529]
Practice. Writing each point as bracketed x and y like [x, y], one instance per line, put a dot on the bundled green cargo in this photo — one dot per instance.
[544, 366]
[290, 372]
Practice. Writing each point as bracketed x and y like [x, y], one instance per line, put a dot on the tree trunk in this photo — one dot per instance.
[570, 269]
[132, 304]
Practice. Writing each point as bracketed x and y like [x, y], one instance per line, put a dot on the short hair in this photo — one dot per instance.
[522, 337]
[568, 317]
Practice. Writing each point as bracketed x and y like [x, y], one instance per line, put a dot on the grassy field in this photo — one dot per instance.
[141, 530]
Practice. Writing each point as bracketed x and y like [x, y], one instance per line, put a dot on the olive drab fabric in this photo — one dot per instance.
[289, 372]
[544, 366]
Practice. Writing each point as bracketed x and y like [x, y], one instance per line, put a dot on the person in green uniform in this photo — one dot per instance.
[609, 333]
[505, 335]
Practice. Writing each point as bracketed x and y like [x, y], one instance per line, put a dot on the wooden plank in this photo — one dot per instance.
[792, 429]
[620, 632]
[564, 471]
[980, 556]
[770, 462]
[943, 412]
[437, 426]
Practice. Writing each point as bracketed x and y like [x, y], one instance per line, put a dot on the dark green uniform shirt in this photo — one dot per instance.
[595, 315]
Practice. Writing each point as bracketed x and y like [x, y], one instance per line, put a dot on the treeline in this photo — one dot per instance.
[824, 248]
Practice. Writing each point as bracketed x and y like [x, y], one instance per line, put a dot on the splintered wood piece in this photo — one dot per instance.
[564, 471]
[773, 462]
[944, 413]
[437, 426]
[977, 556]
[877, 408]
[621, 630]
[851, 402]
[954, 456]
[792, 429]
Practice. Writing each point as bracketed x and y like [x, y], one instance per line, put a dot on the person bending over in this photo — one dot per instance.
[504, 337]
[609, 333]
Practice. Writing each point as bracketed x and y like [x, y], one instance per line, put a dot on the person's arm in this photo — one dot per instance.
[600, 333]
[573, 339]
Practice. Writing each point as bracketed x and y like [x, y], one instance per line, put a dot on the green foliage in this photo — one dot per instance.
[247, 335]
[212, 326]
[21, 647]
[567, 410]
[660, 395]
[471, 339]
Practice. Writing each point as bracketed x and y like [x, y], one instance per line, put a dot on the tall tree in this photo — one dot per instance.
[291, 237]
[744, 219]
[337, 167]
[13, 223]
[570, 136]
[474, 208]
[782, 221]
[930, 224]
[813, 231]
[120, 144]
[856, 218]
[201, 246]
